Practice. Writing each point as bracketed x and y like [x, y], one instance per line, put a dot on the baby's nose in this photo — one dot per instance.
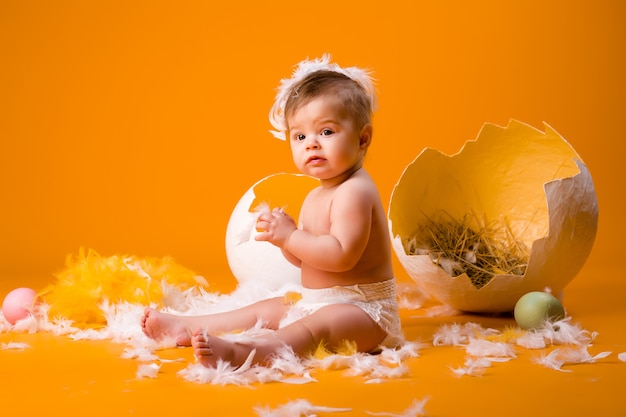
[312, 143]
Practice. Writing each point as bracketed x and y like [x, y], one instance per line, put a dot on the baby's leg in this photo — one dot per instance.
[332, 325]
[161, 326]
[337, 323]
[209, 349]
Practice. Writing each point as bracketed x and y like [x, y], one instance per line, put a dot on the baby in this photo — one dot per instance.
[341, 242]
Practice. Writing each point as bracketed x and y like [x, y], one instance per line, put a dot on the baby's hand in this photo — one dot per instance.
[275, 227]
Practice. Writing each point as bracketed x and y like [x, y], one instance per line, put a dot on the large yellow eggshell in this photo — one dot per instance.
[534, 180]
[262, 264]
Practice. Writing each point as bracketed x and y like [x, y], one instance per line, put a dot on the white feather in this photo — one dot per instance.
[296, 408]
[531, 340]
[450, 335]
[400, 354]
[140, 353]
[90, 334]
[473, 366]
[287, 362]
[409, 296]
[487, 348]
[305, 379]
[580, 354]
[149, 370]
[14, 346]
[29, 324]
[440, 310]
[564, 332]
[416, 409]
[551, 360]
[222, 374]
[573, 355]
[456, 334]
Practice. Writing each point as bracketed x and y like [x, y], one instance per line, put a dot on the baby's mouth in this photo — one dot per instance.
[314, 160]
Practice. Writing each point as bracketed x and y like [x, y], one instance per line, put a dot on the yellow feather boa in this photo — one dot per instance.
[89, 279]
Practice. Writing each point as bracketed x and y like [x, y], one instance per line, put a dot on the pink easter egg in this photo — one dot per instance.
[18, 304]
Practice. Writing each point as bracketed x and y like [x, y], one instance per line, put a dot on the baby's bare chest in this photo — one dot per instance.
[315, 215]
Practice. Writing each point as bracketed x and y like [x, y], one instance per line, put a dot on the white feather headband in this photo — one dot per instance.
[303, 69]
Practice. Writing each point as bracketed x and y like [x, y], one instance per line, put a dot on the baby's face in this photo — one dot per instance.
[324, 140]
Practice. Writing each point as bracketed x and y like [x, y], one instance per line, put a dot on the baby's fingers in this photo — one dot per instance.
[265, 217]
[262, 225]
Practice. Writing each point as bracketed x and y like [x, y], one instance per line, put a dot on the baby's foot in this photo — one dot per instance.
[208, 349]
[159, 326]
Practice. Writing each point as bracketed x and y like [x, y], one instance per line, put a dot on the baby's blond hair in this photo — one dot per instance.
[352, 87]
[331, 84]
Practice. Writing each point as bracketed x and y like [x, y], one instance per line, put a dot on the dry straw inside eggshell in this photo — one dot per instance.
[261, 264]
[514, 211]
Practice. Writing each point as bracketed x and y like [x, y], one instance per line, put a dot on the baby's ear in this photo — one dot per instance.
[366, 136]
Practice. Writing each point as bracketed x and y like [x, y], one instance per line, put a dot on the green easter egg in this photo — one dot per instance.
[534, 308]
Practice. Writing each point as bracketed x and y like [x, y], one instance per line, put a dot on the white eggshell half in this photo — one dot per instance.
[261, 264]
[534, 180]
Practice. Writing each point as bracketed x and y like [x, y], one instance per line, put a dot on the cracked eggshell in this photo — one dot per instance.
[261, 264]
[534, 180]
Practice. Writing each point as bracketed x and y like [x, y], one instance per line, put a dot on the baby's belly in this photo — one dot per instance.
[312, 278]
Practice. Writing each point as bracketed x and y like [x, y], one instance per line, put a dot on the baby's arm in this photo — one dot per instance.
[350, 225]
[342, 247]
[291, 258]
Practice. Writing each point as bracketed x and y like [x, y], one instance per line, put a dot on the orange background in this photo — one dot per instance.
[134, 127]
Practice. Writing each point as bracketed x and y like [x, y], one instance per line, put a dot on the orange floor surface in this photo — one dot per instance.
[76, 378]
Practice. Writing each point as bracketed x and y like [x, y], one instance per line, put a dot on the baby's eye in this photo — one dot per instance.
[300, 136]
[327, 132]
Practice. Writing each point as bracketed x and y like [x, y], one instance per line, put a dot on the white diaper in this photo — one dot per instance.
[377, 299]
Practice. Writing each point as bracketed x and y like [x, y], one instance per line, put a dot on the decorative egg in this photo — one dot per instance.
[18, 304]
[257, 263]
[519, 199]
[533, 309]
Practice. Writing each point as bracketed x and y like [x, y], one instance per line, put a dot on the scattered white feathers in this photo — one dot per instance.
[457, 334]
[287, 367]
[483, 346]
[303, 407]
[29, 324]
[486, 346]
[481, 351]
[297, 408]
[225, 374]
